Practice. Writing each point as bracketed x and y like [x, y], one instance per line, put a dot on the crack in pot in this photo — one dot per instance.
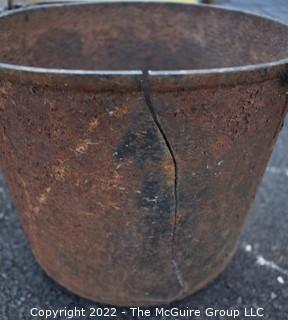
[146, 91]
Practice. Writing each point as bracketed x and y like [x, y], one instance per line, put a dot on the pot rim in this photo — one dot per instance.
[255, 72]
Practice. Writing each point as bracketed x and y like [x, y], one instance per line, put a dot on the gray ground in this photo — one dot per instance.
[257, 276]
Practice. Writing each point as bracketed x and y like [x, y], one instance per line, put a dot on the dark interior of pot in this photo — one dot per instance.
[138, 37]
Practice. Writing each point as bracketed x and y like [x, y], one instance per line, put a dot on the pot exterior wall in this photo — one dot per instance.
[125, 207]
[222, 139]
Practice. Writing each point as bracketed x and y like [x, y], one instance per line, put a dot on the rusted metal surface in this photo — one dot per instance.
[133, 186]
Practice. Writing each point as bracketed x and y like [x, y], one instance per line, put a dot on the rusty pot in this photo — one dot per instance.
[133, 182]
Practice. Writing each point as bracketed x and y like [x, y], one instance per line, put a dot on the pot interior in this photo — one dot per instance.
[134, 36]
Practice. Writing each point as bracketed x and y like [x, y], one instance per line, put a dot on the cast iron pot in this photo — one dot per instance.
[133, 138]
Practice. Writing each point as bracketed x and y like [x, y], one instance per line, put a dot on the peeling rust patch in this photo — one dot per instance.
[83, 145]
[169, 169]
[93, 124]
[121, 111]
[42, 199]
